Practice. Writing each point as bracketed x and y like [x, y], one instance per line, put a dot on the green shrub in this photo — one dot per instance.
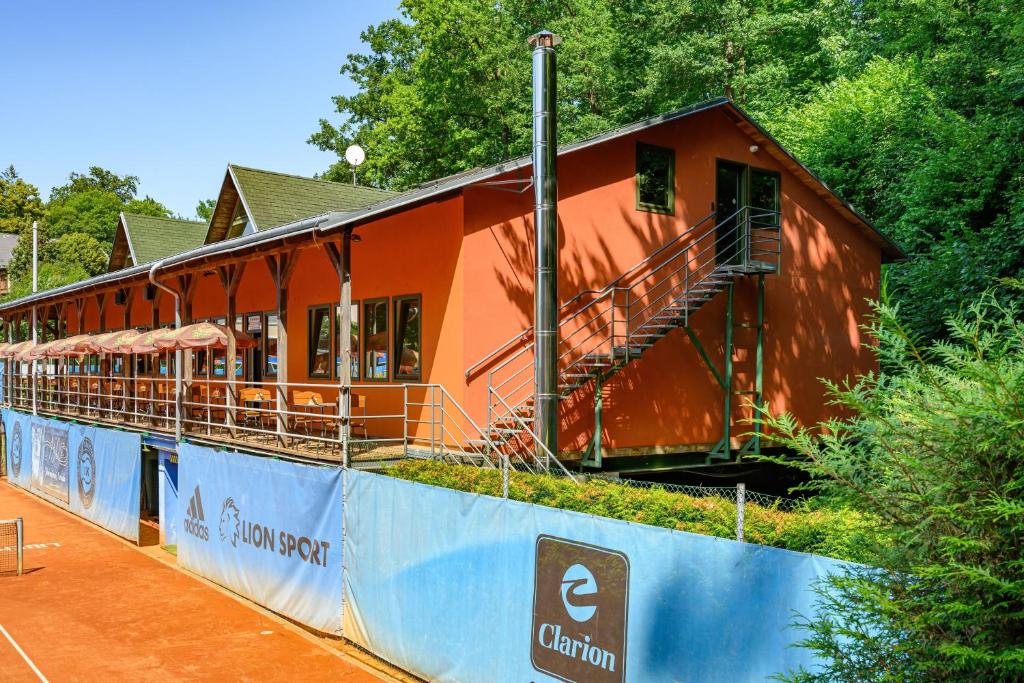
[839, 533]
[934, 448]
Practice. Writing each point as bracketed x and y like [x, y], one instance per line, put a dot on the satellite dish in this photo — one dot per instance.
[355, 155]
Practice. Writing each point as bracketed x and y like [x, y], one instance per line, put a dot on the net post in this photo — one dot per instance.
[20, 534]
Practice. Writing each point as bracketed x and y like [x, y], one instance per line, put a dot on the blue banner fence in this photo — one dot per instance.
[267, 529]
[449, 585]
[95, 473]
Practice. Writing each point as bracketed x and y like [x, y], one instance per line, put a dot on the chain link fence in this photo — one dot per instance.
[724, 492]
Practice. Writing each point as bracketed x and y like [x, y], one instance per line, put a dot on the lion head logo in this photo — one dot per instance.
[86, 473]
[229, 523]
[16, 449]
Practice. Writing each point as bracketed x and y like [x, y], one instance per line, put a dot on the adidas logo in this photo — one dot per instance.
[194, 522]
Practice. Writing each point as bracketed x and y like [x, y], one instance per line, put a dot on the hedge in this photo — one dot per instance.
[839, 533]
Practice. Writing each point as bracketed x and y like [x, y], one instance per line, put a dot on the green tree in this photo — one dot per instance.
[98, 178]
[204, 209]
[51, 275]
[444, 88]
[77, 225]
[933, 448]
[78, 250]
[19, 202]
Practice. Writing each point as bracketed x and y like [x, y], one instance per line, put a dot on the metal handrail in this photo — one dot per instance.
[521, 335]
[695, 275]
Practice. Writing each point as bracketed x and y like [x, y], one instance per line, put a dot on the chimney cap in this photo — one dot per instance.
[545, 39]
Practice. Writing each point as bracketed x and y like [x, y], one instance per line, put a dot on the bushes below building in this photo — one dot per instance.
[842, 534]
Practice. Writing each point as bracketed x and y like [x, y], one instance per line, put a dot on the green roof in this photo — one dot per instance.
[274, 199]
[154, 238]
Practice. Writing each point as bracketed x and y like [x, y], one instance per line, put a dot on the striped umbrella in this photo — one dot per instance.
[18, 351]
[203, 335]
[118, 342]
[71, 346]
[148, 342]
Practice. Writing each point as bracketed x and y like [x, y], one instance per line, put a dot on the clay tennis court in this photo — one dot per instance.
[90, 607]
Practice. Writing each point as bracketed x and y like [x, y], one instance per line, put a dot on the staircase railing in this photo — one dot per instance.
[601, 330]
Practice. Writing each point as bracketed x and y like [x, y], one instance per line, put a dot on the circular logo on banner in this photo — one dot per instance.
[86, 472]
[16, 450]
[578, 585]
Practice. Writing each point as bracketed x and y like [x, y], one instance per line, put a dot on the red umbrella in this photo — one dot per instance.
[117, 342]
[19, 350]
[203, 335]
[71, 346]
[40, 351]
[148, 342]
[96, 343]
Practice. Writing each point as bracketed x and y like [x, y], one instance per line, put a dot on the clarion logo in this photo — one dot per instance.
[580, 606]
[194, 523]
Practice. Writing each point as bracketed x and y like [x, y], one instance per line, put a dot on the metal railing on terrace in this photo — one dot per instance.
[604, 329]
[384, 421]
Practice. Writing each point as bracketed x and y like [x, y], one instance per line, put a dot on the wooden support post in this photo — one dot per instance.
[341, 257]
[80, 312]
[187, 289]
[281, 267]
[101, 307]
[230, 279]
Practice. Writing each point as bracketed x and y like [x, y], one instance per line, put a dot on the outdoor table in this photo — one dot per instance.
[314, 408]
[259, 404]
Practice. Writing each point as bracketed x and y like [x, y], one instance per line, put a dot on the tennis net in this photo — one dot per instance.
[12, 542]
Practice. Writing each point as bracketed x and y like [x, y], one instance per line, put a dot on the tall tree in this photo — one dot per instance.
[19, 202]
[76, 226]
[445, 88]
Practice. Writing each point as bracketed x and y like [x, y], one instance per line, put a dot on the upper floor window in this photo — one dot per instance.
[655, 178]
[764, 197]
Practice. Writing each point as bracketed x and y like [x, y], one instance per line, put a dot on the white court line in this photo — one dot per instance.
[23, 655]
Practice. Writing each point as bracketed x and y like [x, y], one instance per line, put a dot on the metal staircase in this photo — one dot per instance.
[602, 331]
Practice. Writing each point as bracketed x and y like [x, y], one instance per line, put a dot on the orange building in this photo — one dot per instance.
[702, 269]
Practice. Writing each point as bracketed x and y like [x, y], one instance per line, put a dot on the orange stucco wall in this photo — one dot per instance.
[813, 306]
[470, 256]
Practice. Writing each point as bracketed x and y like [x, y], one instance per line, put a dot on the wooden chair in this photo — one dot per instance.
[251, 417]
[357, 419]
[309, 420]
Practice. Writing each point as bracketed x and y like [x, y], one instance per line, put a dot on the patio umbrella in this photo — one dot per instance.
[97, 343]
[117, 342]
[147, 342]
[18, 351]
[40, 351]
[70, 346]
[203, 335]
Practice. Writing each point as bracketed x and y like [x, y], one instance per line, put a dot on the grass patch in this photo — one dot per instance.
[172, 549]
[840, 533]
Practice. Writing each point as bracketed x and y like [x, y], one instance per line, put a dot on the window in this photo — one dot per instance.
[270, 343]
[318, 350]
[764, 195]
[655, 179]
[375, 339]
[354, 333]
[407, 336]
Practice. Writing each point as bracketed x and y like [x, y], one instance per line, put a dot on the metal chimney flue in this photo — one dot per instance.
[545, 221]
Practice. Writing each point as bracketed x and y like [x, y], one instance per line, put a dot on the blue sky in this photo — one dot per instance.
[172, 91]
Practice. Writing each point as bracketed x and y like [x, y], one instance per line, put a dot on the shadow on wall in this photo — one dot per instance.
[813, 311]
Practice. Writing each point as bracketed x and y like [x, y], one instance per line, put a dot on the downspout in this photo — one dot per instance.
[545, 220]
[177, 353]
